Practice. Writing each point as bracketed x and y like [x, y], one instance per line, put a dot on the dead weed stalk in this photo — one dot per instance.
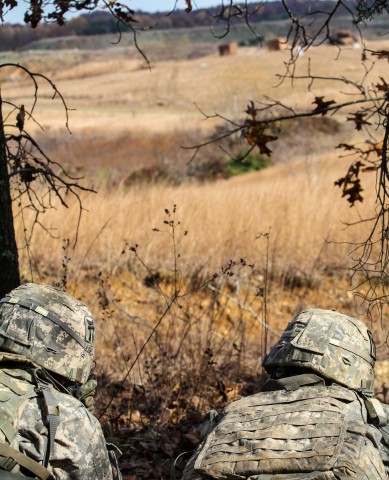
[194, 357]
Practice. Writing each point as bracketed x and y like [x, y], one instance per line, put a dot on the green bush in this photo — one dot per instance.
[250, 162]
[219, 167]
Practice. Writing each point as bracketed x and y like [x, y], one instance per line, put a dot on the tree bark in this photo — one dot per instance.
[9, 261]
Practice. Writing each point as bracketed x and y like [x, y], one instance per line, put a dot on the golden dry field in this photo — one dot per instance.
[284, 226]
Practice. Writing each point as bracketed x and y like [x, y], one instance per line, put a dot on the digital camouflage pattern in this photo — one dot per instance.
[79, 450]
[384, 445]
[312, 433]
[51, 328]
[337, 346]
[302, 426]
[44, 428]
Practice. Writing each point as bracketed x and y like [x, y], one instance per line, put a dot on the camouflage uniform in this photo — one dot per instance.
[58, 438]
[315, 418]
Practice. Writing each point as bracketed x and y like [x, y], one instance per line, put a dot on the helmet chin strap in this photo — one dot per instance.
[56, 380]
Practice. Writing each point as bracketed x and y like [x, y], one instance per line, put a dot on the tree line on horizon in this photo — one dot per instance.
[20, 36]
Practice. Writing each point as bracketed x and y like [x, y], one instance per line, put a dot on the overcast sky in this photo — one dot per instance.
[16, 15]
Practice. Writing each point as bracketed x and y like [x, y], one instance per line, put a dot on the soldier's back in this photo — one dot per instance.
[77, 447]
[311, 433]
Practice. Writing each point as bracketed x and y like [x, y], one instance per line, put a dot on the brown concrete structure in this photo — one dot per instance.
[228, 48]
[276, 44]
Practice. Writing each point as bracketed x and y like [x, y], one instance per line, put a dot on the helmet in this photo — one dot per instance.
[50, 328]
[338, 347]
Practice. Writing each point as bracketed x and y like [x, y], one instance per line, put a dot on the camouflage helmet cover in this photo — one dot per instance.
[335, 345]
[50, 328]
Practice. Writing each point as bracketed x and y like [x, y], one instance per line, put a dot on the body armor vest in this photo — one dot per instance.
[314, 432]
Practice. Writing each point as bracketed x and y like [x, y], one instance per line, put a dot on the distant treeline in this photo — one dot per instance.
[14, 37]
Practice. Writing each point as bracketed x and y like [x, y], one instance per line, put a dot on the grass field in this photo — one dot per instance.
[128, 116]
[109, 88]
[287, 223]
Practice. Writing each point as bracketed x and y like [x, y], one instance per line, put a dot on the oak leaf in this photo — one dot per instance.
[345, 146]
[321, 105]
[262, 141]
[383, 87]
[359, 120]
[251, 110]
[353, 192]
[351, 184]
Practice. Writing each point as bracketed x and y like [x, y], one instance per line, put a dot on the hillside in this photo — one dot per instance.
[115, 87]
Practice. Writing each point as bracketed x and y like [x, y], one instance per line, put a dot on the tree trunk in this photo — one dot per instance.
[9, 262]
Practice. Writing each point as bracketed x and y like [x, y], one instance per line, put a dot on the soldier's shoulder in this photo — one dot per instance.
[272, 397]
[18, 381]
[77, 425]
[70, 407]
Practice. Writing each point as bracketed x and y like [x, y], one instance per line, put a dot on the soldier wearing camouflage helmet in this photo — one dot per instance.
[316, 417]
[46, 355]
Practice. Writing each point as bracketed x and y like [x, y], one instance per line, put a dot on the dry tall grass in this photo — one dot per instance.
[297, 203]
